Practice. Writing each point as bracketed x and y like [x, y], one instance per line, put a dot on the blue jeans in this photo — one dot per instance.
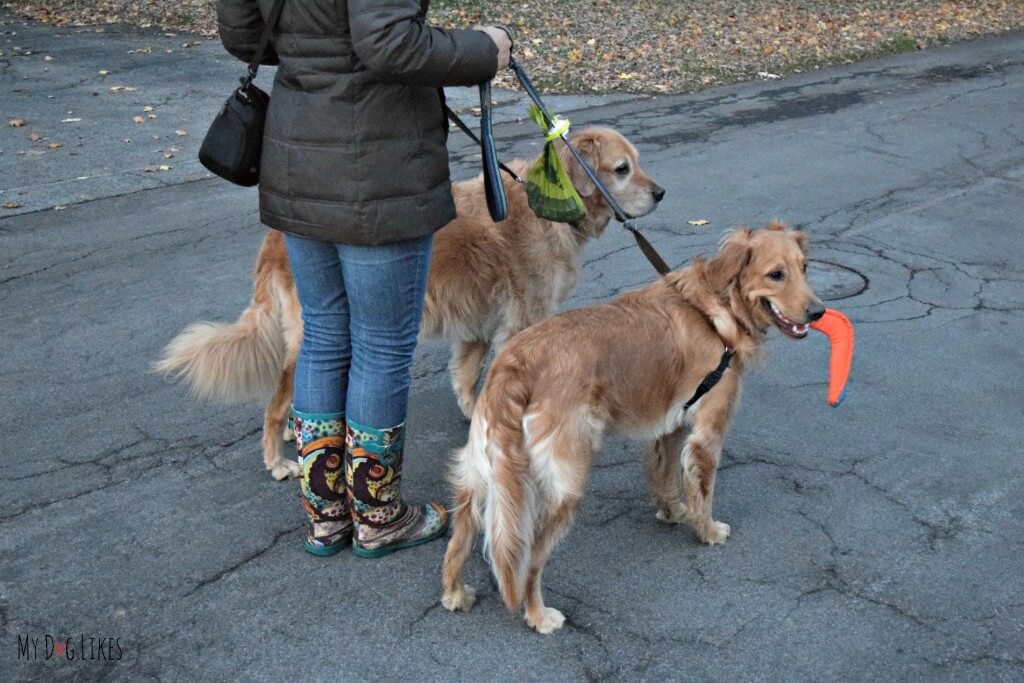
[361, 309]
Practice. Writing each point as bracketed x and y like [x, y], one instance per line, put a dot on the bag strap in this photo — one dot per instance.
[268, 29]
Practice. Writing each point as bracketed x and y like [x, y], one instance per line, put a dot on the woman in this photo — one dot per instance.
[355, 172]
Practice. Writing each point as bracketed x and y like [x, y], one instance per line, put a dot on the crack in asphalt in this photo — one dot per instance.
[249, 557]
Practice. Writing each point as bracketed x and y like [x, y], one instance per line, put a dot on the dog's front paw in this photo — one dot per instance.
[459, 600]
[714, 533]
[549, 620]
[284, 469]
[671, 513]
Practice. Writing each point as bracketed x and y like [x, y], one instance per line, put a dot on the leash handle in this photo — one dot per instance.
[494, 190]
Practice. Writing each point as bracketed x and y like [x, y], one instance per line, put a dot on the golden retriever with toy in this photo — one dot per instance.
[631, 365]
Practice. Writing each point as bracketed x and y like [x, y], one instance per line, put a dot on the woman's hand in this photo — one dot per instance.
[502, 39]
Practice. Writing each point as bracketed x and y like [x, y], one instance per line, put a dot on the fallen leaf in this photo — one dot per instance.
[164, 167]
[54, 145]
[103, 72]
[181, 133]
[76, 120]
[34, 137]
[147, 108]
[138, 119]
[16, 123]
[47, 58]
[699, 221]
[12, 205]
[122, 88]
[151, 168]
[151, 116]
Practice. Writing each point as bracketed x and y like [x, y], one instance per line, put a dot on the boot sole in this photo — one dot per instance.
[374, 553]
[325, 550]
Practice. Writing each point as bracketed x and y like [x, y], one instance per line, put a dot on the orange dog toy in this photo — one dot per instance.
[839, 330]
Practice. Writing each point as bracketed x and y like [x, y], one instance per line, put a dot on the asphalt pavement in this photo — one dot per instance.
[879, 540]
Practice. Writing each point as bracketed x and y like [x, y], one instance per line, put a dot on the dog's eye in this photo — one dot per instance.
[777, 275]
[622, 169]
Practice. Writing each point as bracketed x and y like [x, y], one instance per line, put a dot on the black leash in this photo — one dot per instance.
[454, 118]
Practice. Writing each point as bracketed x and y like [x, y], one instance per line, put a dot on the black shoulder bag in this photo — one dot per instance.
[232, 146]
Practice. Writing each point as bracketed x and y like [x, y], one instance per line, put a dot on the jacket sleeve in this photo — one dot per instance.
[241, 25]
[394, 42]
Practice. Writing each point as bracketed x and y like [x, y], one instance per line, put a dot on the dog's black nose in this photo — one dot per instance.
[815, 311]
[658, 192]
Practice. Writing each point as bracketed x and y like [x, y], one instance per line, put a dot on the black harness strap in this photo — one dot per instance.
[712, 378]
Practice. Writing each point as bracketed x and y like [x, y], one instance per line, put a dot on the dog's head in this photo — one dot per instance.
[767, 270]
[618, 165]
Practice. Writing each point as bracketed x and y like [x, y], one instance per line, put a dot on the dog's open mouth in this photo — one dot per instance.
[793, 329]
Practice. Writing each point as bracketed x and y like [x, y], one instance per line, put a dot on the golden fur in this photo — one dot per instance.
[629, 365]
[487, 282]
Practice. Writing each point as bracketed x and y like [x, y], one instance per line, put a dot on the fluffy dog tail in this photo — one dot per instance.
[510, 510]
[232, 362]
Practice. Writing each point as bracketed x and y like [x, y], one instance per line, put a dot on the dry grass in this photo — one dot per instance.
[645, 45]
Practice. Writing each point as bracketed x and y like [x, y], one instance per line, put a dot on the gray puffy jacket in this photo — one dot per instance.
[354, 149]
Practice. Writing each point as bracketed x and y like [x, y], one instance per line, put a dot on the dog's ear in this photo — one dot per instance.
[732, 257]
[589, 147]
[802, 240]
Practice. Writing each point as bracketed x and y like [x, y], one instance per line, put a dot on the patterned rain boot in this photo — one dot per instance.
[373, 475]
[321, 443]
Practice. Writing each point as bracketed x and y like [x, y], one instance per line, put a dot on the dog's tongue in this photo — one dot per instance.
[839, 330]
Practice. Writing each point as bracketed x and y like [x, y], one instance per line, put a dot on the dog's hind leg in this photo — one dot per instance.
[550, 529]
[456, 595]
[662, 467]
[467, 360]
[275, 419]
[560, 465]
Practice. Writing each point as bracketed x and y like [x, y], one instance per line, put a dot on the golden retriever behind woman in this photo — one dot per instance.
[487, 281]
[631, 364]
